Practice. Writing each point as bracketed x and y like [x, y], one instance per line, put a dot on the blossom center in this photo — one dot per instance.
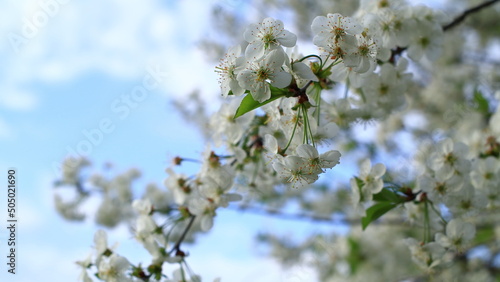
[268, 39]
[263, 74]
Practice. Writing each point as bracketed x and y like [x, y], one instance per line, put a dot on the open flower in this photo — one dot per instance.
[372, 176]
[259, 74]
[363, 59]
[427, 256]
[267, 36]
[228, 69]
[458, 234]
[336, 33]
[449, 158]
[114, 269]
[315, 162]
[295, 170]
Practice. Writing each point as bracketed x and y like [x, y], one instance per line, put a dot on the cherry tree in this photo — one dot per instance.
[426, 194]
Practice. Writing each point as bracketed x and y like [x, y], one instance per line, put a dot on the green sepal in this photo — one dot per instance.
[155, 270]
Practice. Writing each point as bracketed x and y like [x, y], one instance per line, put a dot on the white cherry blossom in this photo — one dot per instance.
[333, 29]
[295, 170]
[371, 176]
[259, 74]
[228, 69]
[458, 234]
[267, 36]
[113, 269]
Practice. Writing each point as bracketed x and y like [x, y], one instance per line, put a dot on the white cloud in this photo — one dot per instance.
[115, 37]
[18, 100]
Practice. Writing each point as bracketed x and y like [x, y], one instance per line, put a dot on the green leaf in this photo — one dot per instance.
[359, 182]
[387, 195]
[355, 257]
[484, 235]
[231, 92]
[249, 104]
[482, 104]
[376, 211]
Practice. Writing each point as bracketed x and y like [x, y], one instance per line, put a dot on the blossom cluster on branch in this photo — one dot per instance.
[285, 125]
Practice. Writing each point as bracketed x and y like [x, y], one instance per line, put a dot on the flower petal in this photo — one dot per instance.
[281, 79]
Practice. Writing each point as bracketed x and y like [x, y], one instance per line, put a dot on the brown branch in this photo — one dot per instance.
[467, 12]
[178, 244]
[399, 50]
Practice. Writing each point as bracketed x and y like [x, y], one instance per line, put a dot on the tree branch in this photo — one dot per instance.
[399, 50]
[467, 12]
[178, 244]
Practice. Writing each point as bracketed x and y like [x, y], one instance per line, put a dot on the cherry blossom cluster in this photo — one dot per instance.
[282, 127]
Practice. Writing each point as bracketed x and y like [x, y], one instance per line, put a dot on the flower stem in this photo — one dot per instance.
[293, 132]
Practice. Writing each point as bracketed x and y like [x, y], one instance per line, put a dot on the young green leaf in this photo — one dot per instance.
[355, 257]
[249, 104]
[387, 195]
[482, 104]
[376, 211]
[484, 235]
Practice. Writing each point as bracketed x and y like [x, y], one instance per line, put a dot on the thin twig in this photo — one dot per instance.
[467, 12]
[399, 50]
[178, 244]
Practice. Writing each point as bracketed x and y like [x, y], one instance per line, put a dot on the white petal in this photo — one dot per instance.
[319, 24]
[234, 51]
[364, 65]
[330, 159]
[281, 79]
[442, 240]
[280, 169]
[250, 34]
[352, 26]
[295, 163]
[101, 241]
[246, 79]
[364, 168]
[351, 60]
[321, 40]
[255, 50]
[378, 170]
[446, 146]
[331, 129]
[270, 143]
[262, 93]
[275, 59]
[272, 23]
[303, 71]
[207, 222]
[287, 39]
[384, 54]
[236, 88]
[120, 263]
[307, 151]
